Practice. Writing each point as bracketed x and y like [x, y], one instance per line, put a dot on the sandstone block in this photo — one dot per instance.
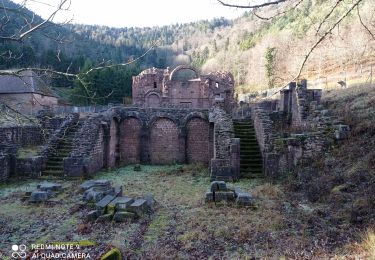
[244, 199]
[102, 204]
[50, 187]
[39, 196]
[104, 218]
[224, 196]
[139, 207]
[124, 216]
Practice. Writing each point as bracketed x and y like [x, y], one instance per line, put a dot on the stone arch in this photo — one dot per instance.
[130, 140]
[182, 67]
[164, 141]
[198, 140]
[113, 144]
[152, 99]
[192, 115]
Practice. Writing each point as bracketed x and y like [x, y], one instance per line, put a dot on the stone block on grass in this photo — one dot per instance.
[218, 186]
[244, 199]
[49, 187]
[224, 196]
[102, 204]
[139, 207]
[95, 183]
[209, 196]
[124, 216]
[121, 203]
[39, 196]
[95, 194]
[93, 214]
[150, 200]
[104, 218]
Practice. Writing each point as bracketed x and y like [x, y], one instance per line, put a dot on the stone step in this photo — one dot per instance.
[55, 163]
[251, 159]
[249, 143]
[55, 159]
[54, 167]
[53, 172]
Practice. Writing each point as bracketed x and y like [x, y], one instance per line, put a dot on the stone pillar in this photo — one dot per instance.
[145, 144]
[235, 157]
[182, 154]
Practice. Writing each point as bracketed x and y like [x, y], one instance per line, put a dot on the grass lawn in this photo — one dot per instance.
[183, 226]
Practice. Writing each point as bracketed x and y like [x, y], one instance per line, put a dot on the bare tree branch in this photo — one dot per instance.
[276, 2]
[278, 13]
[63, 5]
[363, 24]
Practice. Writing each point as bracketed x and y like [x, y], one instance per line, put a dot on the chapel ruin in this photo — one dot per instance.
[177, 117]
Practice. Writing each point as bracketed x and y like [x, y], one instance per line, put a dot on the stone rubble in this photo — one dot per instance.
[220, 192]
[44, 192]
[110, 204]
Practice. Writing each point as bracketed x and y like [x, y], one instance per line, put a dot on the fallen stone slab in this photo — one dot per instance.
[93, 214]
[117, 191]
[39, 196]
[244, 199]
[102, 204]
[95, 183]
[139, 207]
[124, 216]
[104, 218]
[95, 194]
[50, 187]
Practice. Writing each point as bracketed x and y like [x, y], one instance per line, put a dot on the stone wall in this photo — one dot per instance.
[198, 141]
[5, 168]
[21, 135]
[264, 130]
[130, 141]
[164, 142]
[90, 149]
[163, 88]
[122, 136]
[29, 167]
[225, 163]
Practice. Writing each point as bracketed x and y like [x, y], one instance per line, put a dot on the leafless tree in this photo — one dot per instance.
[31, 24]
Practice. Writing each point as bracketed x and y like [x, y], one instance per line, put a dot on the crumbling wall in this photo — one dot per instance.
[5, 168]
[87, 156]
[225, 164]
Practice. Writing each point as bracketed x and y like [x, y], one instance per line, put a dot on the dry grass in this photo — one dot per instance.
[183, 226]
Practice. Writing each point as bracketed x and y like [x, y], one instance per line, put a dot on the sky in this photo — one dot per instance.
[134, 13]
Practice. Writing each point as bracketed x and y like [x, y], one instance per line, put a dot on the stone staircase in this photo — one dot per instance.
[55, 162]
[251, 162]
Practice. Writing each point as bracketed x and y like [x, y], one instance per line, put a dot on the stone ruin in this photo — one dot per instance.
[184, 121]
[76, 145]
[109, 203]
[164, 88]
[219, 192]
[44, 192]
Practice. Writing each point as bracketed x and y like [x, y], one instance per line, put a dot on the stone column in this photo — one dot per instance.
[145, 144]
[182, 155]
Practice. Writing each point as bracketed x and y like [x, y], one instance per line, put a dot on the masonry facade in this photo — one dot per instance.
[164, 88]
